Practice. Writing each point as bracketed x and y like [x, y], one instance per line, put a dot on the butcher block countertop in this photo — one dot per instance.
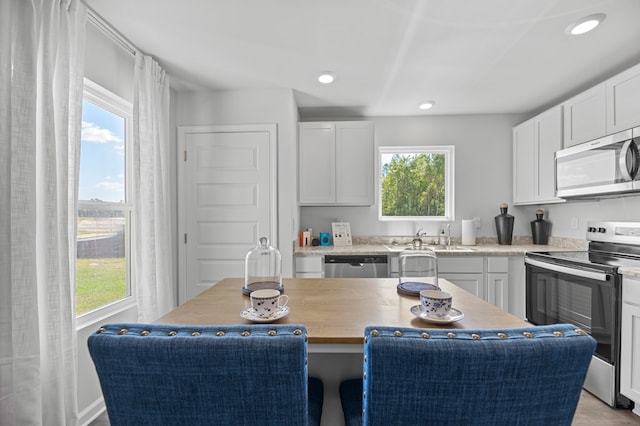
[336, 310]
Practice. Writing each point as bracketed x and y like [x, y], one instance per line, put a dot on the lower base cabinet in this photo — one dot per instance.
[485, 277]
[630, 346]
[309, 266]
[497, 279]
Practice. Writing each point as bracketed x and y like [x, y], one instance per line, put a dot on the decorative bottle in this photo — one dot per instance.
[540, 229]
[504, 225]
[262, 268]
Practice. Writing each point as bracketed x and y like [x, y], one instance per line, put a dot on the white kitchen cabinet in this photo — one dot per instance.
[623, 100]
[394, 266]
[517, 287]
[498, 282]
[585, 116]
[473, 283]
[630, 338]
[486, 277]
[534, 144]
[309, 266]
[336, 163]
[316, 163]
[465, 272]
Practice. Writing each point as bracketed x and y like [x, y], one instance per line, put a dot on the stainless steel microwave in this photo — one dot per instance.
[604, 166]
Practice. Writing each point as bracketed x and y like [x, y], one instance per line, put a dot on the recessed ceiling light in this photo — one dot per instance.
[585, 24]
[326, 77]
[427, 105]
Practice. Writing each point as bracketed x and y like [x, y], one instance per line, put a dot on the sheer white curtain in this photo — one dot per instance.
[41, 67]
[152, 243]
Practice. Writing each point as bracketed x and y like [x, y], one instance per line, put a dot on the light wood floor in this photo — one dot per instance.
[591, 411]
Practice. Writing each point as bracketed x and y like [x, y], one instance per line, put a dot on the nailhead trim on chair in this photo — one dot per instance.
[460, 334]
[166, 331]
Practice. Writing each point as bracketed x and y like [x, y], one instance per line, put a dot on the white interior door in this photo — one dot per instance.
[227, 196]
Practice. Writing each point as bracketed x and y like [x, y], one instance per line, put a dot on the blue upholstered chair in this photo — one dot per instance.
[523, 376]
[155, 374]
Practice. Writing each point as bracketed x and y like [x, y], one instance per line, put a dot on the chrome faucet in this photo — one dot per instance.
[448, 234]
[419, 233]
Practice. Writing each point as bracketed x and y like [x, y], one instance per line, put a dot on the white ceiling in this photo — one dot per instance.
[469, 56]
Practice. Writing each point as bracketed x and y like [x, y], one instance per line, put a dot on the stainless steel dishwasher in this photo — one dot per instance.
[356, 266]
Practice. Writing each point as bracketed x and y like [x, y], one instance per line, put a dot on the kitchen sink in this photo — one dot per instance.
[452, 248]
[436, 248]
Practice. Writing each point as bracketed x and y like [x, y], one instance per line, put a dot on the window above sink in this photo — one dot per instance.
[416, 183]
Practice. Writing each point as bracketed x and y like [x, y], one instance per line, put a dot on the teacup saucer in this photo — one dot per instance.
[453, 315]
[250, 314]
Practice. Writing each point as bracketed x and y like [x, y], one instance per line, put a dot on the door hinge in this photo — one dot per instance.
[185, 238]
[185, 155]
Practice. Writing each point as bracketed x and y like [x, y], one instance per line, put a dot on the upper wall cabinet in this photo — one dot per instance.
[336, 163]
[534, 144]
[585, 116]
[623, 100]
[607, 108]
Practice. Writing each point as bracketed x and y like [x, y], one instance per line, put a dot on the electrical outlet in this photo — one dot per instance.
[478, 221]
[574, 223]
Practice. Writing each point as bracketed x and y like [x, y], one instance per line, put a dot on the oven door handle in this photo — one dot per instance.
[600, 276]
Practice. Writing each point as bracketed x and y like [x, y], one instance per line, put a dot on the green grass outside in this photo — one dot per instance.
[99, 282]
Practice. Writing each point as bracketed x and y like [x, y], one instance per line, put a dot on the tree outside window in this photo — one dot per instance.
[416, 183]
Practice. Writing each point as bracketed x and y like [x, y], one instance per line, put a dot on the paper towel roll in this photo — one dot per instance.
[468, 232]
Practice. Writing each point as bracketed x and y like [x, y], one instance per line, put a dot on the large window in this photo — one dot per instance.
[102, 274]
[416, 183]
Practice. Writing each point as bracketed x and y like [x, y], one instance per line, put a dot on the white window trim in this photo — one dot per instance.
[107, 100]
[449, 181]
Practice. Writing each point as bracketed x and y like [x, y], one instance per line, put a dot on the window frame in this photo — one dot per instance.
[113, 103]
[449, 180]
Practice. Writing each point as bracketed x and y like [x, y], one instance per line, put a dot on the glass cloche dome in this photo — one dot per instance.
[262, 268]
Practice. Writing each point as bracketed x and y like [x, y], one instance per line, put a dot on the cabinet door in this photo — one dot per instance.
[549, 140]
[316, 163]
[623, 100]
[630, 338]
[524, 153]
[585, 116]
[394, 266]
[498, 290]
[473, 283]
[517, 286]
[354, 163]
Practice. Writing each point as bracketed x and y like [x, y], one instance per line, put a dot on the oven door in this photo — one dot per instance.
[586, 298]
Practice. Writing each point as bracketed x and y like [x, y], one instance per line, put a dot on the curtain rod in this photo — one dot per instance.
[110, 32]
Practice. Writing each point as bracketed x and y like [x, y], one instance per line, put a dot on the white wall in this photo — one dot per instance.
[204, 108]
[107, 64]
[483, 157]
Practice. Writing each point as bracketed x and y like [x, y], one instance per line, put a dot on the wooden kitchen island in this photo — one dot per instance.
[335, 312]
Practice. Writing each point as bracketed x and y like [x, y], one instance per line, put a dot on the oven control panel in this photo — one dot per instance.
[615, 232]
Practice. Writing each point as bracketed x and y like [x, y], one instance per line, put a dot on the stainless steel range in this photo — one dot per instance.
[584, 288]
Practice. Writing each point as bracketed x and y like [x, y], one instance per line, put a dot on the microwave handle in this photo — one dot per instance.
[627, 174]
[600, 276]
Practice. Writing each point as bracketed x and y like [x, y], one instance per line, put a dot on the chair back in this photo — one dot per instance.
[530, 376]
[155, 374]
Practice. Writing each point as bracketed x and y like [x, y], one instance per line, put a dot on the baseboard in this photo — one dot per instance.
[90, 413]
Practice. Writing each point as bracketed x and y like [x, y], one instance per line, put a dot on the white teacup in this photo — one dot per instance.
[435, 303]
[265, 302]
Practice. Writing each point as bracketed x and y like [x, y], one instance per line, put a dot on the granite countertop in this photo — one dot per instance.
[630, 272]
[485, 247]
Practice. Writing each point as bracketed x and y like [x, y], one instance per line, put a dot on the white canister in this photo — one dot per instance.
[468, 232]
